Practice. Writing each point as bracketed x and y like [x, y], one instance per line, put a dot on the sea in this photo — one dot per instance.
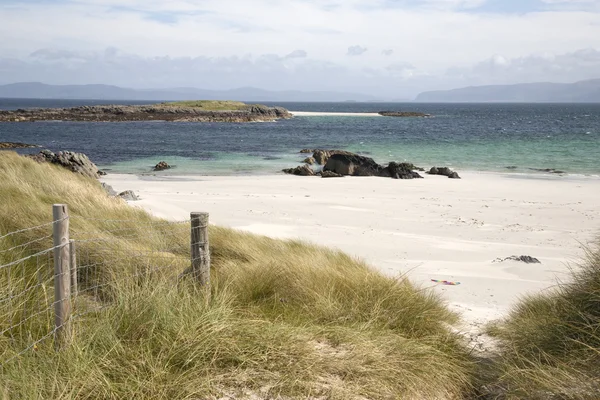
[522, 139]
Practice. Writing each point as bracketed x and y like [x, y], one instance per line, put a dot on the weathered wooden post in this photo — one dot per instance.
[62, 276]
[73, 263]
[200, 252]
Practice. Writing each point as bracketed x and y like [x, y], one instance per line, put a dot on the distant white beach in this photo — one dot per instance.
[332, 114]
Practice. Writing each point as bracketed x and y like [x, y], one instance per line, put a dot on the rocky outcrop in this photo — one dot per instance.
[75, 162]
[302, 170]
[444, 171]
[330, 174]
[310, 161]
[403, 114]
[353, 164]
[322, 156]
[549, 170]
[156, 112]
[128, 195]
[109, 190]
[16, 145]
[161, 166]
[402, 171]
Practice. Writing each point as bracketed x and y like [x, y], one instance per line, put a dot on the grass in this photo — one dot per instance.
[211, 105]
[551, 341]
[285, 319]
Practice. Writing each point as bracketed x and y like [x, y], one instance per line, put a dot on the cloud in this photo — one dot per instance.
[387, 52]
[297, 54]
[356, 50]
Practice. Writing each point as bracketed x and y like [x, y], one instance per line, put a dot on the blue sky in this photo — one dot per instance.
[391, 48]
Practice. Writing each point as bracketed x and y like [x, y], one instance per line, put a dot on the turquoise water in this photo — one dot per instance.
[481, 137]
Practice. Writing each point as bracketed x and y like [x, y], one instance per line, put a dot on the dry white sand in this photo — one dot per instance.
[433, 228]
[331, 114]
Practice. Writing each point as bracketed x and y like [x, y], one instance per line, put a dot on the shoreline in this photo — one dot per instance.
[433, 228]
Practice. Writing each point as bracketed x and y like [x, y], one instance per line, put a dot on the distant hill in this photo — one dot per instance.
[36, 90]
[579, 92]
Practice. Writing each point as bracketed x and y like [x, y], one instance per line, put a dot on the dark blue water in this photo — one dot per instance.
[488, 137]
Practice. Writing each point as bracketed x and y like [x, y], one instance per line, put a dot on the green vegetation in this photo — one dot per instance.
[285, 319]
[210, 105]
[551, 342]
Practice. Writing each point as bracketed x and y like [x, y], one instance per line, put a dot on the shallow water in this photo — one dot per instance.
[481, 137]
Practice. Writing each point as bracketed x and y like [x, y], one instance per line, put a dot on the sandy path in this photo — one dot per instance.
[433, 228]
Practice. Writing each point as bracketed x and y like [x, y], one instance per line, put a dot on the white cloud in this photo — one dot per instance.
[294, 41]
[356, 50]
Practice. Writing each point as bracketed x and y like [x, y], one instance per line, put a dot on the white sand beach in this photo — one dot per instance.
[332, 114]
[433, 228]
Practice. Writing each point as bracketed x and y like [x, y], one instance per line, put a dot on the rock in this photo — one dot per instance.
[525, 259]
[402, 171]
[321, 156]
[128, 195]
[310, 161]
[330, 174]
[109, 190]
[161, 166]
[445, 171]
[403, 114]
[353, 164]
[75, 162]
[16, 145]
[302, 170]
[549, 170]
[307, 151]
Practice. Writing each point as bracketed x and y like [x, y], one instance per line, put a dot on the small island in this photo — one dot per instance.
[403, 114]
[182, 111]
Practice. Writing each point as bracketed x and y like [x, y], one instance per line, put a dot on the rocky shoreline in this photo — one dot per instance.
[340, 163]
[156, 112]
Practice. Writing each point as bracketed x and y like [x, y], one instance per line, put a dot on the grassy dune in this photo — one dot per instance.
[285, 319]
[551, 341]
[210, 105]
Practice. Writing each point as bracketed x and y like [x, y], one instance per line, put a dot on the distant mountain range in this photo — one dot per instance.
[36, 90]
[579, 92]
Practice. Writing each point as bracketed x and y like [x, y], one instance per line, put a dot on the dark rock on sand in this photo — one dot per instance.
[401, 171]
[109, 190]
[330, 174]
[444, 171]
[128, 195]
[353, 164]
[75, 162]
[16, 145]
[161, 166]
[301, 170]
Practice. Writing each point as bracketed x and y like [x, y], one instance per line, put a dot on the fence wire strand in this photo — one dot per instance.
[106, 257]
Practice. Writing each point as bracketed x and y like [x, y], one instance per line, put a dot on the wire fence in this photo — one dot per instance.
[55, 274]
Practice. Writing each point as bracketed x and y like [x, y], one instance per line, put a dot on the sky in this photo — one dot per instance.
[390, 49]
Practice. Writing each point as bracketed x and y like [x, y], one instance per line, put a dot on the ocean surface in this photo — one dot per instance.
[511, 138]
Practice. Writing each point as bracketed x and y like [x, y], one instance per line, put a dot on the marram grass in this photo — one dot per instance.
[285, 319]
[551, 341]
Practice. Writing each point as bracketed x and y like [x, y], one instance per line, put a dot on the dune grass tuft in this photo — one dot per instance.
[285, 319]
[551, 341]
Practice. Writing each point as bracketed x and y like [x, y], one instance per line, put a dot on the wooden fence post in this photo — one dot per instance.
[62, 276]
[73, 264]
[200, 252]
